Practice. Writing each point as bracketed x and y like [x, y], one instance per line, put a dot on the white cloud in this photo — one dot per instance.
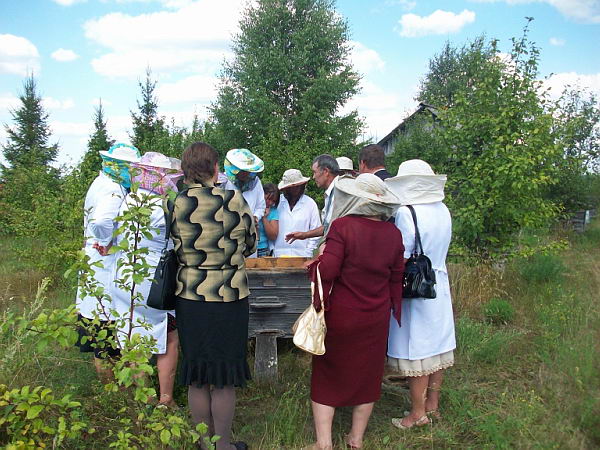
[60, 128]
[193, 89]
[381, 109]
[8, 102]
[194, 38]
[132, 63]
[584, 11]
[17, 55]
[558, 42]
[52, 103]
[438, 22]
[364, 59]
[64, 55]
[68, 2]
[557, 83]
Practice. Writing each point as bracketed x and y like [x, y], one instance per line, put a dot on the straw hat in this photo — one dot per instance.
[416, 183]
[292, 177]
[369, 187]
[244, 159]
[122, 152]
[345, 163]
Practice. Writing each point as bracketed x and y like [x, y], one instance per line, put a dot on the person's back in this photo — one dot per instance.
[210, 232]
[435, 228]
[371, 249]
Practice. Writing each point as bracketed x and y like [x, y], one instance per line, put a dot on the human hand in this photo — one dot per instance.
[295, 236]
[102, 249]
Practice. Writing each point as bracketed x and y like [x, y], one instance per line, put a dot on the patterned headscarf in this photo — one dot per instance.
[116, 162]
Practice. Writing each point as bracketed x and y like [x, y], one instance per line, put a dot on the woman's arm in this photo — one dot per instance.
[333, 254]
[396, 277]
[101, 222]
[271, 226]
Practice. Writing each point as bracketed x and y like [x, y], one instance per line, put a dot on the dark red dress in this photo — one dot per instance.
[364, 259]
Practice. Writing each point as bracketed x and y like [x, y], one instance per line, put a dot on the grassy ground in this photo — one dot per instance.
[526, 374]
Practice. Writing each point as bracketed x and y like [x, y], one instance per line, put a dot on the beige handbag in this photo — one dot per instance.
[310, 329]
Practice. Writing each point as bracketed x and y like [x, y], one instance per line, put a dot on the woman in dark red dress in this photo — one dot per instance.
[363, 262]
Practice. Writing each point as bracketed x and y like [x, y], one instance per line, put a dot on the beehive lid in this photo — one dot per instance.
[285, 262]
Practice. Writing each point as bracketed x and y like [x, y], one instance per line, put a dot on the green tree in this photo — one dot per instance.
[99, 141]
[454, 69]
[576, 118]
[149, 130]
[501, 150]
[282, 93]
[27, 142]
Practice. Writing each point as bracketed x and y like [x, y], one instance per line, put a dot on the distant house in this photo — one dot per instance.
[389, 141]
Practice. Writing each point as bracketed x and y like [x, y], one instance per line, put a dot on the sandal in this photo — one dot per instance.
[433, 414]
[420, 422]
[348, 443]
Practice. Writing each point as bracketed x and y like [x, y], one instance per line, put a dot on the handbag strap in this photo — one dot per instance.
[418, 243]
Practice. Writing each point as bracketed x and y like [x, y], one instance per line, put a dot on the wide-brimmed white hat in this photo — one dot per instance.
[367, 186]
[245, 160]
[292, 177]
[417, 183]
[122, 152]
[345, 163]
[155, 159]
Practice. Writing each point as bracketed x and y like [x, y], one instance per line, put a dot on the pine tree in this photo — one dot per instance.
[27, 142]
[99, 141]
[282, 93]
[149, 130]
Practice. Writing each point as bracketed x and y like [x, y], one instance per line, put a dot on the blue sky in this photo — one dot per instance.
[82, 50]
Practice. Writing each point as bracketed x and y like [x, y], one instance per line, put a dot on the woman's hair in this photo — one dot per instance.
[271, 188]
[198, 162]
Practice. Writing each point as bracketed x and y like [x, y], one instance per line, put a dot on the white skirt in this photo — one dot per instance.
[421, 367]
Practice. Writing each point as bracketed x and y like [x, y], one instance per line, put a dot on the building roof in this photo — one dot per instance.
[422, 107]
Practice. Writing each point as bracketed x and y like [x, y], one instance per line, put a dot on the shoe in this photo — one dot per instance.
[240, 445]
[434, 414]
[347, 442]
[420, 422]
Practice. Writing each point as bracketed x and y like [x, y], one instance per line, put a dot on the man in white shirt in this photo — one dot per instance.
[297, 211]
[325, 171]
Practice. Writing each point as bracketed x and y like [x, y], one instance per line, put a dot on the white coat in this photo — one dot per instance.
[255, 197]
[427, 325]
[102, 203]
[157, 319]
[304, 217]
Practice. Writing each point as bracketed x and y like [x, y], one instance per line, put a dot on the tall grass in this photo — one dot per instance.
[526, 373]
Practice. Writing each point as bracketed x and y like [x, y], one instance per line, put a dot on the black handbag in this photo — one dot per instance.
[419, 277]
[162, 291]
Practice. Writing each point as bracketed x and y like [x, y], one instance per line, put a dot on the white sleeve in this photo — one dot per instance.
[315, 222]
[405, 224]
[259, 210]
[102, 219]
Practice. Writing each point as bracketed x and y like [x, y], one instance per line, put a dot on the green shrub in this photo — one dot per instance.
[498, 311]
[541, 268]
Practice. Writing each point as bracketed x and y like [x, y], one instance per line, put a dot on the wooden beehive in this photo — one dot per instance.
[279, 293]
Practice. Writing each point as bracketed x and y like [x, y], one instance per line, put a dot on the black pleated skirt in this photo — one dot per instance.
[214, 339]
